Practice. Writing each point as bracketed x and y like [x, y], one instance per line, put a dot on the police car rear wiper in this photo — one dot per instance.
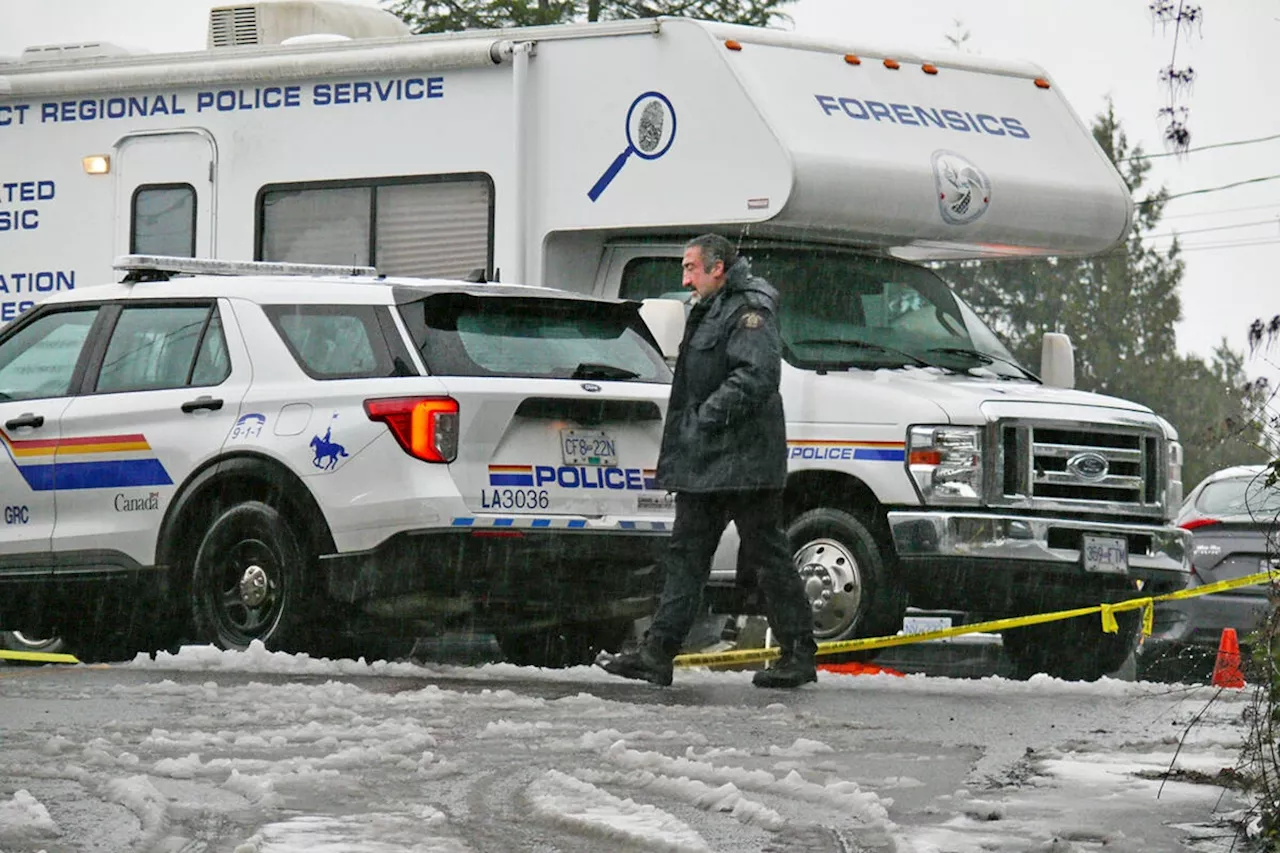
[984, 357]
[589, 370]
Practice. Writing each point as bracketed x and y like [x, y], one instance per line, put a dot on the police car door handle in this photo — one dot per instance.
[206, 402]
[26, 419]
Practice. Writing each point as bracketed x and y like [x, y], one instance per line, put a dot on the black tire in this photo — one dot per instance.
[1072, 649]
[246, 581]
[567, 645]
[848, 581]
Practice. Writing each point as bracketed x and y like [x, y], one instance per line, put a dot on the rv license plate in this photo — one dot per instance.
[1106, 554]
[588, 447]
[926, 624]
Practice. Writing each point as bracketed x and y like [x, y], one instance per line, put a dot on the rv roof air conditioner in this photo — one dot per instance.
[281, 21]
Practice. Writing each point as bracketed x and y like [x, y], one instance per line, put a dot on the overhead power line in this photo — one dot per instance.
[1201, 148]
[1233, 244]
[1230, 186]
[1221, 211]
[1254, 224]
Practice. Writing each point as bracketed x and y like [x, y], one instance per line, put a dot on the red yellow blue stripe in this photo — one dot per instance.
[47, 463]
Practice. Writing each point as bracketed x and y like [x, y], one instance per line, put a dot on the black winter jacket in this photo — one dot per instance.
[725, 429]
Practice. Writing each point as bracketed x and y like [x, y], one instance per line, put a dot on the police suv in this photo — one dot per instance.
[312, 456]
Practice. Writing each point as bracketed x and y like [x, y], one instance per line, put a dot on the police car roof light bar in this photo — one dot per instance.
[150, 267]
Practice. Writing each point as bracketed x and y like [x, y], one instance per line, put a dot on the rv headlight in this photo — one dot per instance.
[1173, 493]
[946, 463]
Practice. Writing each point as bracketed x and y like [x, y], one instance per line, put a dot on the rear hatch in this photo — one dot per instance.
[1234, 522]
[560, 402]
[1225, 552]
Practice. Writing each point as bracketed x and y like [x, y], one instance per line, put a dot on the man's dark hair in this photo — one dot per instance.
[714, 248]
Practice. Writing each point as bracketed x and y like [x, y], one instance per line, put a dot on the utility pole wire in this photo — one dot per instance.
[1254, 224]
[1200, 148]
[1211, 189]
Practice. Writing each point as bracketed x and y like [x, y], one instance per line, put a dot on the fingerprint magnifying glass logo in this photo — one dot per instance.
[651, 128]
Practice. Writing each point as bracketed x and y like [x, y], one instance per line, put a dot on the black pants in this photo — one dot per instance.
[762, 551]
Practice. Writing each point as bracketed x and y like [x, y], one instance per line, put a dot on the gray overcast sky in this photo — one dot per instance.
[1092, 49]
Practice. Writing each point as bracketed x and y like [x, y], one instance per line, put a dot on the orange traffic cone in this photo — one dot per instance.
[1226, 669]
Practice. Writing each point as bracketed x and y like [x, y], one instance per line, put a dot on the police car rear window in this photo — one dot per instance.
[468, 335]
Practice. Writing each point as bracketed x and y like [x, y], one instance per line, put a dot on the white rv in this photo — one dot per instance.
[927, 466]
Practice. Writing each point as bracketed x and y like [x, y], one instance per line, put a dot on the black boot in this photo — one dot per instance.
[648, 663]
[794, 668]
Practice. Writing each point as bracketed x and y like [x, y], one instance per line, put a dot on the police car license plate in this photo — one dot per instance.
[588, 447]
[1105, 554]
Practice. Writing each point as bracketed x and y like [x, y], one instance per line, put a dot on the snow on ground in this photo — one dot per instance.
[259, 752]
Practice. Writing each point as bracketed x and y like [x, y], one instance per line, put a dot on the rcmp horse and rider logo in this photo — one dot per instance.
[327, 451]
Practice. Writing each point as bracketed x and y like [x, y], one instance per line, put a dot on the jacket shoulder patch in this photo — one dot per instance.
[751, 320]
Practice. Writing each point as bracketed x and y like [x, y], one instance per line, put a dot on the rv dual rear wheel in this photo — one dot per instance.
[847, 581]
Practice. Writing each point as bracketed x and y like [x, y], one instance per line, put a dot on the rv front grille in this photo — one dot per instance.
[1084, 468]
[230, 26]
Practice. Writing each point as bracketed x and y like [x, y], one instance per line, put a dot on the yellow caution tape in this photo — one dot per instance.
[38, 657]
[747, 656]
[1108, 611]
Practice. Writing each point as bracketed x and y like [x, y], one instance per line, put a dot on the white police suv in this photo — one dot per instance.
[223, 452]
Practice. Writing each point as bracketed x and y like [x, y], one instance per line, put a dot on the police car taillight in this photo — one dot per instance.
[426, 427]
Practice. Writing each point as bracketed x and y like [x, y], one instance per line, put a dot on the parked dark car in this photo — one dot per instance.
[1232, 515]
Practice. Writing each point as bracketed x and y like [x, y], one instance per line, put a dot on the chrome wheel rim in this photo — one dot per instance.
[832, 584]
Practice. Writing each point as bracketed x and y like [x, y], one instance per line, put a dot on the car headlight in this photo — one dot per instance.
[946, 463]
[1173, 497]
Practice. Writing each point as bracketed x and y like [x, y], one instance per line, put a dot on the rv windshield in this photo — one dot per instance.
[844, 311]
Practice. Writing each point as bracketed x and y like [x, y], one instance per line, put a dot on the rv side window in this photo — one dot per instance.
[164, 220]
[649, 278]
[431, 226]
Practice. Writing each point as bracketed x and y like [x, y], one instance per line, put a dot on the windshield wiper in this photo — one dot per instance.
[590, 370]
[852, 343]
[985, 358]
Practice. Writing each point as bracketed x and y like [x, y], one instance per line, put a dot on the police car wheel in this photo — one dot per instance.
[846, 580]
[246, 580]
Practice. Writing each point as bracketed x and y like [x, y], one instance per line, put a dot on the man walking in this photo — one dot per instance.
[724, 454]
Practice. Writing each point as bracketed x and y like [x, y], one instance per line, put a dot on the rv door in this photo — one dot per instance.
[165, 193]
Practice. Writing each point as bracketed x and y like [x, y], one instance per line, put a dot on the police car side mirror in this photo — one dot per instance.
[1057, 361]
[665, 319]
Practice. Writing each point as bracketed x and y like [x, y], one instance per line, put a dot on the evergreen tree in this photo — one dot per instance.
[1120, 308]
[436, 16]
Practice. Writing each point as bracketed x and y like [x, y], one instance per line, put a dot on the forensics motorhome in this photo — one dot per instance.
[927, 466]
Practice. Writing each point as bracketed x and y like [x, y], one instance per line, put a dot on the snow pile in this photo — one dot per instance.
[845, 797]
[583, 807]
[24, 818]
[725, 798]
